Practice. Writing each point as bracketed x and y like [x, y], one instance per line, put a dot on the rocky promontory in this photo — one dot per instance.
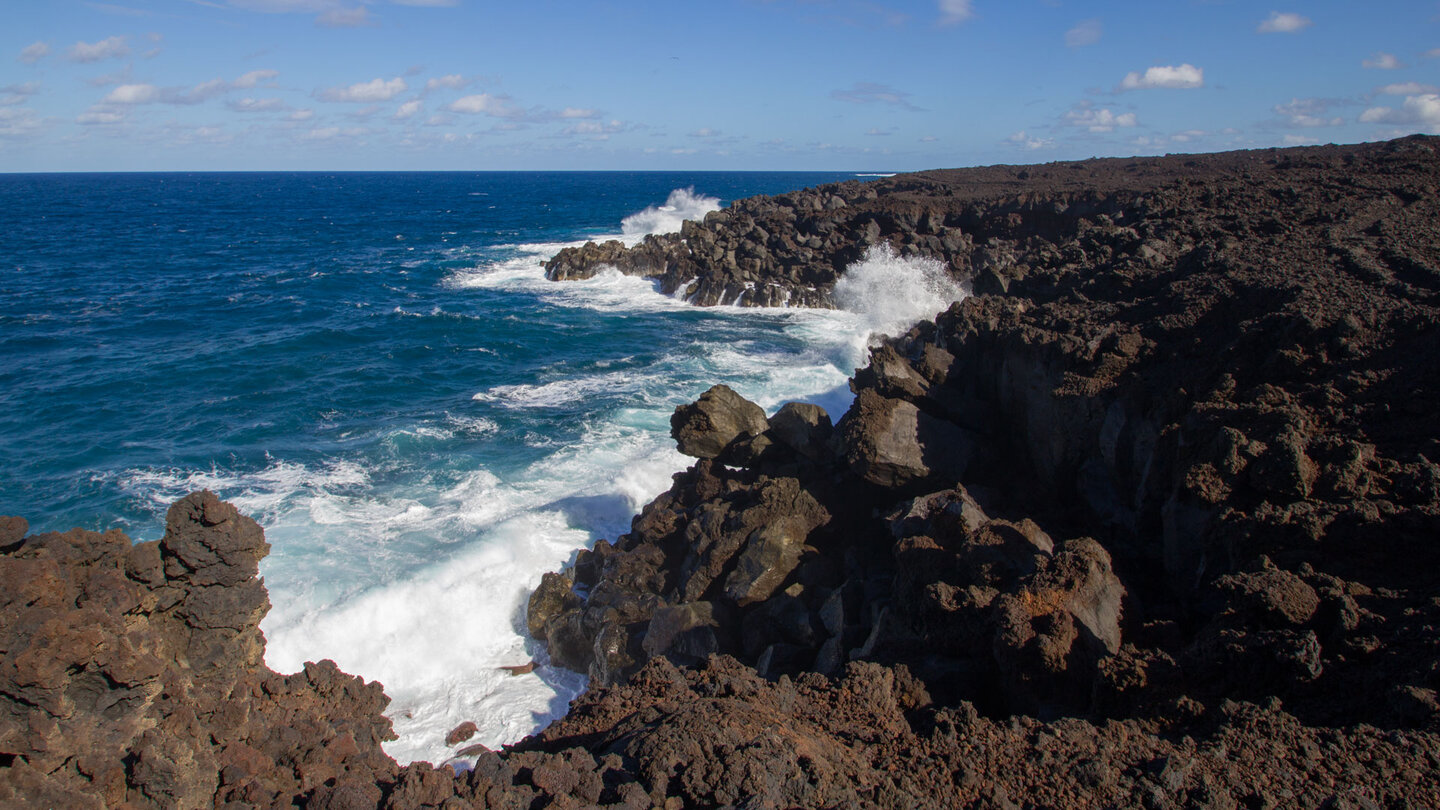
[1151, 519]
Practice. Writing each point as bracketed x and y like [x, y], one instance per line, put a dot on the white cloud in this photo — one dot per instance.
[1308, 112]
[1283, 23]
[321, 134]
[100, 117]
[345, 18]
[1085, 32]
[595, 130]
[254, 78]
[480, 103]
[1383, 61]
[1422, 110]
[928, 139]
[301, 115]
[257, 105]
[579, 112]
[872, 93]
[34, 52]
[108, 48]
[18, 122]
[454, 81]
[705, 132]
[1165, 76]
[1097, 119]
[955, 11]
[408, 109]
[366, 92]
[1025, 141]
[1407, 89]
[133, 94]
[1299, 140]
[18, 93]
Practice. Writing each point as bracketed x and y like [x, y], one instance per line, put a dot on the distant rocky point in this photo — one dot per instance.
[1149, 520]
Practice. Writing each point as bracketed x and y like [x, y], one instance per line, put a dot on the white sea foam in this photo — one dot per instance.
[893, 293]
[682, 204]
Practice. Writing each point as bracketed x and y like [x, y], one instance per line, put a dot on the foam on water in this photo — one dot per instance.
[893, 293]
[682, 204]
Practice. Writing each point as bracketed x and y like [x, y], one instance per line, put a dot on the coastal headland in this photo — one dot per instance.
[1149, 519]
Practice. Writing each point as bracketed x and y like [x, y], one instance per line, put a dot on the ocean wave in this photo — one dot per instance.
[682, 204]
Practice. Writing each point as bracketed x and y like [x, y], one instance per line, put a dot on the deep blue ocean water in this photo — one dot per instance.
[373, 366]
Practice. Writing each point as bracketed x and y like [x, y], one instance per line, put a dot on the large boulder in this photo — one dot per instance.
[706, 427]
[892, 443]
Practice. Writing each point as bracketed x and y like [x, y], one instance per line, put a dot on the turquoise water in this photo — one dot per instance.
[373, 366]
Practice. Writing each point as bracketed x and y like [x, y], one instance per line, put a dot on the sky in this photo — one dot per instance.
[862, 85]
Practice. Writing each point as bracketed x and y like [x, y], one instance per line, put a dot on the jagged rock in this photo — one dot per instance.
[555, 595]
[704, 428]
[892, 443]
[461, 733]
[685, 633]
[804, 428]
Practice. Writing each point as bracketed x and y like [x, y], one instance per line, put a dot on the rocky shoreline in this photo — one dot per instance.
[1149, 520]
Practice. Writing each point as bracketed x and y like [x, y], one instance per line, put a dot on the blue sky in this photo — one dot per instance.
[785, 84]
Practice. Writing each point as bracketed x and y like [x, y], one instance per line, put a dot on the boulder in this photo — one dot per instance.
[804, 428]
[555, 595]
[704, 428]
[892, 443]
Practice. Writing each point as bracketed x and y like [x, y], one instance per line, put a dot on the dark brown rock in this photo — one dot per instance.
[707, 426]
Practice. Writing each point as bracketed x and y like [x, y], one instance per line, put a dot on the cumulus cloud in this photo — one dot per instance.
[254, 78]
[484, 103]
[1025, 141]
[17, 93]
[366, 92]
[408, 110]
[953, 12]
[872, 93]
[18, 122]
[1407, 89]
[1308, 112]
[1085, 32]
[1283, 23]
[345, 18]
[1422, 110]
[579, 112]
[595, 130]
[301, 115]
[1383, 61]
[257, 105]
[454, 81]
[133, 94]
[108, 48]
[34, 52]
[1098, 119]
[94, 117]
[1165, 76]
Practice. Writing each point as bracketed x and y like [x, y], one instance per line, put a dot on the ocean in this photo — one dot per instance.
[373, 366]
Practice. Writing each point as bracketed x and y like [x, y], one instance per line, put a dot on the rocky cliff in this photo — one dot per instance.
[1150, 520]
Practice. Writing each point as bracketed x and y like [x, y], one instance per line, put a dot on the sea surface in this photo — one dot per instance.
[373, 366]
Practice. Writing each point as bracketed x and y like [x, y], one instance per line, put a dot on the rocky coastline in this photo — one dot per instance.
[1151, 519]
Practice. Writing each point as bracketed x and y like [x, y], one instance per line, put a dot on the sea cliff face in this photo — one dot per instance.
[1148, 520]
